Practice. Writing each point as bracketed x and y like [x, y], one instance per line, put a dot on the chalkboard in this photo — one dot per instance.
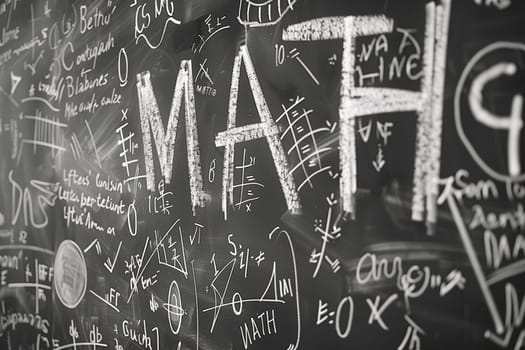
[262, 174]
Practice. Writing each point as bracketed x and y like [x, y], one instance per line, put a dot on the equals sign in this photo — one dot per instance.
[312, 163]
[294, 53]
[305, 149]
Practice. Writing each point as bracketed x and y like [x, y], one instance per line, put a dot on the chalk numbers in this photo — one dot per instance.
[280, 54]
[211, 172]
[132, 219]
[123, 67]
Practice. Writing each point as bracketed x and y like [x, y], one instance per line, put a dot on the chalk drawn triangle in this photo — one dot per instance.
[476, 266]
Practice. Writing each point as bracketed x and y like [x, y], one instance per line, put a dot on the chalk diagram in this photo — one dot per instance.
[261, 13]
[70, 274]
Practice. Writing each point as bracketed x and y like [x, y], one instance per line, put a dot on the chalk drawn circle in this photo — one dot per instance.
[132, 228]
[237, 300]
[348, 300]
[500, 45]
[70, 271]
[174, 307]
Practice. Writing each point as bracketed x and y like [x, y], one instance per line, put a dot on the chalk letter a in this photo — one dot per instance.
[266, 128]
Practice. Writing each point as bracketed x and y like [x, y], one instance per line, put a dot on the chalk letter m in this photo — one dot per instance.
[151, 123]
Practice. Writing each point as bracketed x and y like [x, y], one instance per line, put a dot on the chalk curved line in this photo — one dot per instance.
[27, 247]
[311, 134]
[148, 42]
[254, 300]
[255, 23]
[175, 311]
[44, 101]
[264, 3]
[72, 245]
[68, 346]
[73, 26]
[508, 271]
[311, 176]
[311, 155]
[208, 38]
[290, 244]
[457, 112]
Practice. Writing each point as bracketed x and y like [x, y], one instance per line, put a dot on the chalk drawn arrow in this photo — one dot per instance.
[379, 162]
[331, 200]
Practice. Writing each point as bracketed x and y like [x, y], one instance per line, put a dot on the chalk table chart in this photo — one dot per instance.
[262, 174]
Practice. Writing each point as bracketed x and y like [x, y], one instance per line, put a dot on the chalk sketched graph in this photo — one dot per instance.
[248, 183]
[330, 231]
[126, 141]
[260, 13]
[48, 132]
[304, 142]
